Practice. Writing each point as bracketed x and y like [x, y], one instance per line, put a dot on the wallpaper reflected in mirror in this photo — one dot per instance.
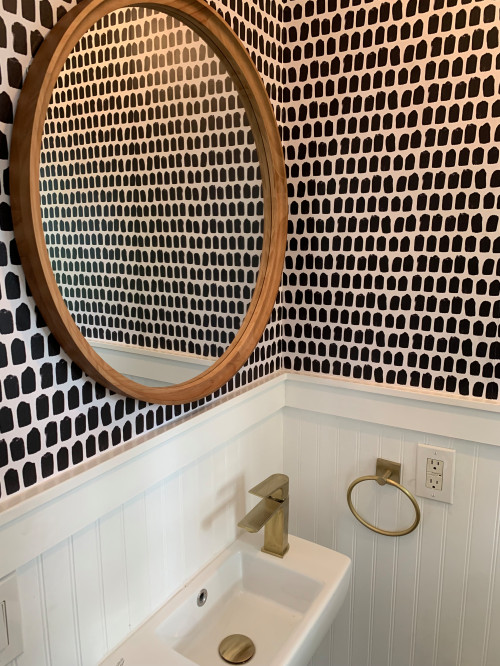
[150, 188]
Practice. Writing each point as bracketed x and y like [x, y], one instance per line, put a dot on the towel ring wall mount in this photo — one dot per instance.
[387, 472]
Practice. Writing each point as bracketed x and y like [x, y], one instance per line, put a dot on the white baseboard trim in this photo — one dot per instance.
[423, 411]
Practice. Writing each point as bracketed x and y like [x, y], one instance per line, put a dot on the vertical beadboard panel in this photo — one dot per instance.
[173, 530]
[114, 575]
[384, 563]
[364, 549]
[291, 436]
[406, 573]
[426, 594]
[156, 544]
[196, 489]
[58, 584]
[346, 534]
[326, 474]
[136, 560]
[455, 565]
[431, 598]
[483, 540]
[32, 600]
[307, 465]
[231, 493]
[262, 452]
[89, 595]
[492, 635]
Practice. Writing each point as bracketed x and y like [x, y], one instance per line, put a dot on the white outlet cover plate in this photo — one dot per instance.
[424, 451]
[9, 594]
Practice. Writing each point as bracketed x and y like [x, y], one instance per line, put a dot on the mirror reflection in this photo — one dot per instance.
[151, 196]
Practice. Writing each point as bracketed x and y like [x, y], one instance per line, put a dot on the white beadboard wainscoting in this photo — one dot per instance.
[431, 598]
[96, 553]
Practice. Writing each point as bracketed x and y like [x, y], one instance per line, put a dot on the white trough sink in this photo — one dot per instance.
[285, 606]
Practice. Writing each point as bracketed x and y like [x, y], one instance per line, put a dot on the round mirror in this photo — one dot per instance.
[149, 195]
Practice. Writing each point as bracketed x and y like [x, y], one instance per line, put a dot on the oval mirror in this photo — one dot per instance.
[149, 196]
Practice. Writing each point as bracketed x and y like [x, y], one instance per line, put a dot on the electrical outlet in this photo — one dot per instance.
[434, 466]
[434, 481]
[435, 473]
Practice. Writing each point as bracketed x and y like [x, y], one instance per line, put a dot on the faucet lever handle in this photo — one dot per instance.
[275, 487]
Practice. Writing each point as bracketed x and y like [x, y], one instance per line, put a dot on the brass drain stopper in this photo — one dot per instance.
[237, 649]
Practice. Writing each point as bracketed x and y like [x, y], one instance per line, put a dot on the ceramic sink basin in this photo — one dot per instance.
[285, 606]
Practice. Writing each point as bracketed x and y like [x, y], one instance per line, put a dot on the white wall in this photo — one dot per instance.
[431, 598]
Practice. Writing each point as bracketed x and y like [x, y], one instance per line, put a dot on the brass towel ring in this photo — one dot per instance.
[385, 469]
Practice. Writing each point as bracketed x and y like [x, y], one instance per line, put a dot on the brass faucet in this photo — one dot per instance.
[271, 511]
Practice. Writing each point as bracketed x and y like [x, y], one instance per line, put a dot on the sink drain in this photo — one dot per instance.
[237, 649]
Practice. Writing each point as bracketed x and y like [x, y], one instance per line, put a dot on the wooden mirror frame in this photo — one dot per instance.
[26, 209]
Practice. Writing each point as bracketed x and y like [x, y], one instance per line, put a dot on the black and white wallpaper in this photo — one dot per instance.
[391, 128]
[150, 188]
[389, 117]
